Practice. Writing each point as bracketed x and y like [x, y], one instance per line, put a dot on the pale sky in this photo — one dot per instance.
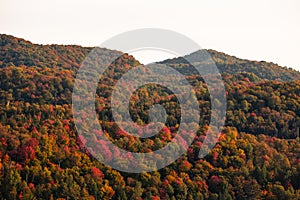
[255, 30]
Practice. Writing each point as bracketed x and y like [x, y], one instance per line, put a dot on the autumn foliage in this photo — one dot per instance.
[42, 157]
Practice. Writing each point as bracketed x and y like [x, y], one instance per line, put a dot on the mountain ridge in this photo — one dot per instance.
[228, 64]
[17, 51]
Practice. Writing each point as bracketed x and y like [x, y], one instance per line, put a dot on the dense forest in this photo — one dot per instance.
[257, 155]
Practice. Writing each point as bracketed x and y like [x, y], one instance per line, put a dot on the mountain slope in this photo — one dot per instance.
[42, 156]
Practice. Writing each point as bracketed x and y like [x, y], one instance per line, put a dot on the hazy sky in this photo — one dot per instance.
[256, 29]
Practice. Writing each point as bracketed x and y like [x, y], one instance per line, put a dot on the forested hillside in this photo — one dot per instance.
[42, 157]
[233, 65]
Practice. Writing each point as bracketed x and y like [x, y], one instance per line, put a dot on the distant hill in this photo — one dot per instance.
[16, 51]
[233, 65]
